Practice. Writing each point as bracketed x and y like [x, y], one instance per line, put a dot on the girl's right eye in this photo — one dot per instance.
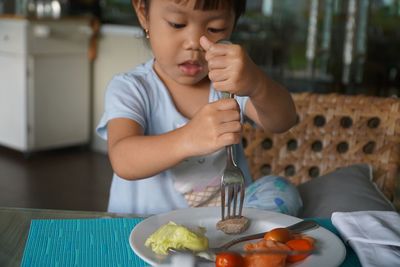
[176, 25]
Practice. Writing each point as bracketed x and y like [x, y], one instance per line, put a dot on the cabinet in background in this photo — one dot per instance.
[44, 83]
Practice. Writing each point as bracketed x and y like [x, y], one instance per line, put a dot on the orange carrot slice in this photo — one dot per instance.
[299, 244]
[265, 260]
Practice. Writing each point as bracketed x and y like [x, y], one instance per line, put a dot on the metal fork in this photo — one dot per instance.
[232, 181]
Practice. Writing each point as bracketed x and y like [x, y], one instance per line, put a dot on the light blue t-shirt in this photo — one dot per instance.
[141, 96]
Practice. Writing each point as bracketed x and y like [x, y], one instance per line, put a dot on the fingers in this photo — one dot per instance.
[222, 119]
[226, 111]
[224, 63]
[230, 116]
[233, 127]
[229, 127]
[205, 43]
[229, 138]
[224, 85]
[218, 76]
[218, 63]
[213, 49]
[226, 104]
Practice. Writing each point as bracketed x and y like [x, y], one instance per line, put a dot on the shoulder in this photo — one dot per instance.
[140, 76]
[141, 80]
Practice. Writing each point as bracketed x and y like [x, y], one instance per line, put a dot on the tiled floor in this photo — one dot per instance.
[72, 179]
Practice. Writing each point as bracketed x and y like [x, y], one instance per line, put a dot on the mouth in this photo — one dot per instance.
[190, 67]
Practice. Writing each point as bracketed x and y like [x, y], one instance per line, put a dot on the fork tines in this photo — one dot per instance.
[233, 191]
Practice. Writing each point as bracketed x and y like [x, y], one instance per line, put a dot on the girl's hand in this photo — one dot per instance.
[214, 126]
[230, 68]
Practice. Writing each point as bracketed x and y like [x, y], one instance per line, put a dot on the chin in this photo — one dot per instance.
[187, 80]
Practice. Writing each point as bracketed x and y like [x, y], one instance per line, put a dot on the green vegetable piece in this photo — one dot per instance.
[172, 235]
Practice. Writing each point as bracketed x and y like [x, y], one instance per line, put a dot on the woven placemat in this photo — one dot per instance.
[81, 242]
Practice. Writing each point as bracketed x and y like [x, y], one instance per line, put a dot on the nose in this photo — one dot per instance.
[192, 40]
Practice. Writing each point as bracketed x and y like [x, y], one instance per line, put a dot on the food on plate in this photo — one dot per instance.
[278, 234]
[234, 225]
[265, 260]
[296, 242]
[175, 236]
[303, 236]
[299, 244]
[229, 259]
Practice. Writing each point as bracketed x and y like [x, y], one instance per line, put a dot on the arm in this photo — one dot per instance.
[135, 156]
[232, 70]
[271, 106]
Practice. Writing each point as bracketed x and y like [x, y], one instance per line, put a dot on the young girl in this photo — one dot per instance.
[167, 124]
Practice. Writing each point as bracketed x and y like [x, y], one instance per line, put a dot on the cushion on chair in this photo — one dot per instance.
[345, 189]
[333, 131]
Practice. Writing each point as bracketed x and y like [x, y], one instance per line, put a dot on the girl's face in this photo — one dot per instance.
[175, 28]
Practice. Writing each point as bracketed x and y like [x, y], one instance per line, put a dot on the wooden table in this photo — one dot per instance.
[14, 228]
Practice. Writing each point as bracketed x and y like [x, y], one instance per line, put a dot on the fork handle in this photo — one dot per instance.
[229, 157]
[229, 149]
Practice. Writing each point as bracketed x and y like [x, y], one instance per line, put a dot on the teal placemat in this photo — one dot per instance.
[81, 242]
[100, 242]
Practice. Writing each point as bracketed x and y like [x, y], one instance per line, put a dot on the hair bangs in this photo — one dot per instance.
[212, 4]
[239, 6]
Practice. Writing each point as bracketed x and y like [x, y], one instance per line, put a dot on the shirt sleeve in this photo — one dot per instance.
[124, 98]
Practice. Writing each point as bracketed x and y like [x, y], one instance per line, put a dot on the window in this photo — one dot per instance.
[347, 46]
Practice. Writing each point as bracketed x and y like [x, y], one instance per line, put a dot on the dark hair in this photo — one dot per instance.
[239, 6]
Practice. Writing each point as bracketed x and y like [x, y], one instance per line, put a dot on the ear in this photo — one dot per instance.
[141, 12]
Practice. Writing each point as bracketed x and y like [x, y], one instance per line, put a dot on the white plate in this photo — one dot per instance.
[331, 251]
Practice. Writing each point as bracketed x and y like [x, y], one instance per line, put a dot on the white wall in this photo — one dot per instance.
[120, 49]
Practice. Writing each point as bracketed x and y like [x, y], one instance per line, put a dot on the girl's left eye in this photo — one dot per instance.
[215, 30]
[176, 25]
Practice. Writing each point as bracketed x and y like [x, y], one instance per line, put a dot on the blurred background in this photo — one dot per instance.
[347, 46]
[57, 56]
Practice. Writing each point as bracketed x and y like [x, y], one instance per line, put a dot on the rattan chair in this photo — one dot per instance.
[333, 131]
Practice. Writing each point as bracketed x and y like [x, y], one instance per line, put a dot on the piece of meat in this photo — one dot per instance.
[233, 226]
